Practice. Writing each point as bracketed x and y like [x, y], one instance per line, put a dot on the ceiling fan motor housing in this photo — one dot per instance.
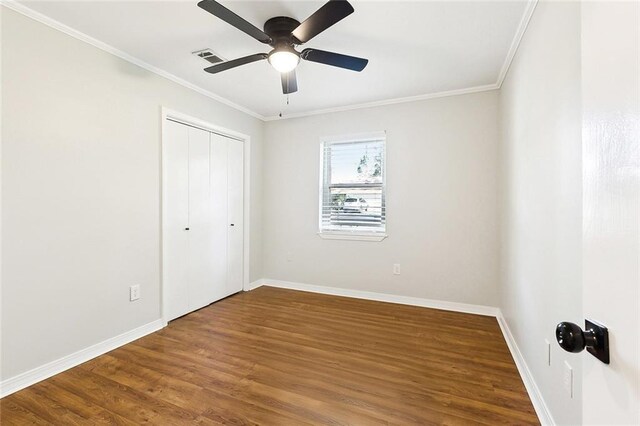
[280, 29]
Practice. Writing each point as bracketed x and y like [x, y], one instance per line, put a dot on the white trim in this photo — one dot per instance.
[380, 135]
[353, 236]
[384, 297]
[515, 43]
[205, 125]
[28, 378]
[37, 16]
[255, 284]
[544, 415]
[394, 101]
[167, 113]
[246, 212]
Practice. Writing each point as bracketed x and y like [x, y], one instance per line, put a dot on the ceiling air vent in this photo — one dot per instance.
[209, 56]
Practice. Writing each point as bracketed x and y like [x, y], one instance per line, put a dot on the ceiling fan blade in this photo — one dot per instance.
[289, 82]
[323, 18]
[334, 59]
[216, 9]
[236, 63]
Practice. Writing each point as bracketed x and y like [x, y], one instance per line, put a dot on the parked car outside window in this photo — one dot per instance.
[356, 205]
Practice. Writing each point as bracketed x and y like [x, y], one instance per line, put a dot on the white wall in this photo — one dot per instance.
[441, 202]
[81, 191]
[541, 204]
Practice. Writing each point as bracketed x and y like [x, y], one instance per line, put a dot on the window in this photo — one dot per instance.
[352, 194]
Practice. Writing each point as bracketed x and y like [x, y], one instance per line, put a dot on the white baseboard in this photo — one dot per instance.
[254, 285]
[38, 374]
[544, 415]
[383, 297]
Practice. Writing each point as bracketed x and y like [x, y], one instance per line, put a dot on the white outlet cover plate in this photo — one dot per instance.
[134, 292]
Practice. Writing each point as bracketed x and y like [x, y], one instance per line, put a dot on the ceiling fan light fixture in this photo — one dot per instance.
[284, 60]
[284, 34]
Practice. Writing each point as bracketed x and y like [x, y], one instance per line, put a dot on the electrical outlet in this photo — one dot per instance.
[568, 379]
[289, 256]
[134, 292]
[396, 269]
[547, 351]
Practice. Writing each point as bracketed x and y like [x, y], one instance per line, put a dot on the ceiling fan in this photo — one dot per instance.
[283, 34]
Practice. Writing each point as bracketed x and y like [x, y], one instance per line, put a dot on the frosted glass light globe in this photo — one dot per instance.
[284, 60]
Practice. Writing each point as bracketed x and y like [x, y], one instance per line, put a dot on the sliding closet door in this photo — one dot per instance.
[219, 191]
[175, 245]
[235, 179]
[200, 287]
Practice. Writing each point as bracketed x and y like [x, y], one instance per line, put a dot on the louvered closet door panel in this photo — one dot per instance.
[176, 219]
[200, 221]
[235, 179]
[218, 182]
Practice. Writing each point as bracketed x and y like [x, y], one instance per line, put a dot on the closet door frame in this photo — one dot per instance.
[169, 114]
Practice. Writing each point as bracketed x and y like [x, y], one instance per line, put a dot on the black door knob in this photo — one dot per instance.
[571, 338]
[595, 338]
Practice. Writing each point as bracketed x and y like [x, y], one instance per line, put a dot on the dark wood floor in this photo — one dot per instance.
[280, 357]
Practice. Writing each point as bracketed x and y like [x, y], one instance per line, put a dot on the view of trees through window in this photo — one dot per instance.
[353, 186]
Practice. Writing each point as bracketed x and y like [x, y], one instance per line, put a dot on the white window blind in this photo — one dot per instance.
[353, 185]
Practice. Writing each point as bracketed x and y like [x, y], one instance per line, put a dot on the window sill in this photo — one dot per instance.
[351, 236]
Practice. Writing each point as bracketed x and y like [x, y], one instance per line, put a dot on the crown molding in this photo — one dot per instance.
[515, 43]
[37, 16]
[394, 101]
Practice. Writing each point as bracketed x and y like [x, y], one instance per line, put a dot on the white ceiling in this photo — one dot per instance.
[414, 48]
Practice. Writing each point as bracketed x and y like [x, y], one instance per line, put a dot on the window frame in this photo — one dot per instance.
[356, 235]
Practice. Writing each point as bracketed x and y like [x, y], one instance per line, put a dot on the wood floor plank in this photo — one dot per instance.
[92, 413]
[12, 413]
[48, 409]
[281, 357]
